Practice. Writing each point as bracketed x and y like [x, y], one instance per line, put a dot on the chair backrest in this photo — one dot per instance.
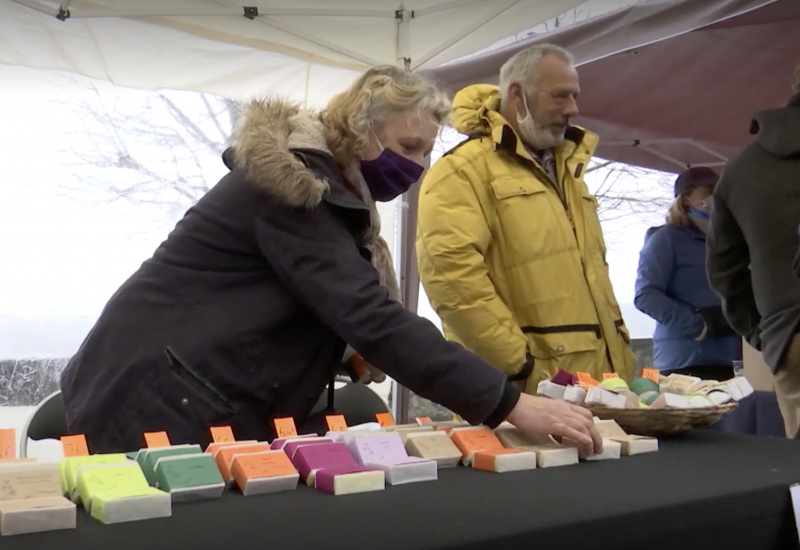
[358, 403]
[48, 421]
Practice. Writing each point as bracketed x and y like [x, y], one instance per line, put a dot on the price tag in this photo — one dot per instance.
[652, 374]
[607, 375]
[74, 445]
[156, 439]
[385, 419]
[285, 427]
[222, 434]
[336, 423]
[586, 378]
[8, 444]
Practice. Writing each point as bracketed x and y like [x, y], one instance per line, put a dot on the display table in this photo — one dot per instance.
[705, 490]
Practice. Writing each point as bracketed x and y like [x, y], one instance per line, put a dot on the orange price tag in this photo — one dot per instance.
[285, 427]
[336, 422]
[8, 444]
[385, 419]
[156, 439]
[423, 420]
[652, 374]
[74, 445]
[586, 378]
[607, 375]
[222, 434]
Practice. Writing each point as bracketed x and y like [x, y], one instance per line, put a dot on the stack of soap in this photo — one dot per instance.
[630, 444]
[116, 493]
[31, 499]
[436, 446]
[600, 396]
[405, 430]
[264, 472]
[347, 480]
[214, 448]
[549, 454]
[224, 456]
[69, 470]
[291, 447]
[471, 439]
[189, 477]
[386, 452]
[147, 458]
[278, 444]
[309, 459]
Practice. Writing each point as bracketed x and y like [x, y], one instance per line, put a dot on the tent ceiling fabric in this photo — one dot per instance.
[313, 47]
[671, 83]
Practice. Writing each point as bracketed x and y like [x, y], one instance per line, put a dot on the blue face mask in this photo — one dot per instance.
[702, 214]
[390, 175]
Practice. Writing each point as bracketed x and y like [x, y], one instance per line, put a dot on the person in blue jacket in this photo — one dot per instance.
[692, 336]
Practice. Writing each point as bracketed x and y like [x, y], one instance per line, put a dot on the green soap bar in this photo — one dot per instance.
[181, 472]
[642, 385]
[151, 457]
[648, 397]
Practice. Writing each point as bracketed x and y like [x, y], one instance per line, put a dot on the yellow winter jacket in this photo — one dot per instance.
[514, 263]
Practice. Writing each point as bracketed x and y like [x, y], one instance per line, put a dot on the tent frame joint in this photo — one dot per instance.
[251, 12]
[63, 14]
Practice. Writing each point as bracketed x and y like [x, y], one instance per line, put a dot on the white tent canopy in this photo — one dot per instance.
[303, 49]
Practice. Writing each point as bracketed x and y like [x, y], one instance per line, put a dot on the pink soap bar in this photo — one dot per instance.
[291, 447]
[277, 444]
[314, 457]
[325, 477]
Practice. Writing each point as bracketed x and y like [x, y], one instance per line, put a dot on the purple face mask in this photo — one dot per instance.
[390, 175]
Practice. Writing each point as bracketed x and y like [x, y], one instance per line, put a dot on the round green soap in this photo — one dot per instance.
[642, 385]
[648, 397]
[614, 384]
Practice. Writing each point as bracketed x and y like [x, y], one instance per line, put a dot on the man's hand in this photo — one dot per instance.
[545, 416]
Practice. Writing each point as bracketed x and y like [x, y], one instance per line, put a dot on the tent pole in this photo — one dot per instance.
[400, 394]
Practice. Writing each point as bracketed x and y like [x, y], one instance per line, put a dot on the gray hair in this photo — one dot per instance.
[522, 64]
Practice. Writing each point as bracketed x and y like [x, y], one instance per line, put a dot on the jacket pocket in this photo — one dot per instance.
[553, 341]
[191, 379]
[623, 331]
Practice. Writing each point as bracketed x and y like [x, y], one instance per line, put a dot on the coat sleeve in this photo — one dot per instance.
[317, 259]
[728, 260]
[656, 262]
[453, 236]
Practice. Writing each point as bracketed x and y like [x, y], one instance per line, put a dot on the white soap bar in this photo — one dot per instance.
[601, 396]
[552, 455]
[636, 444]
[35, 515]
[611, 450]
[275, 484]
[720, 397]
[575, 395]
[608, 428]
[361, 482]
[138, 508]
[744, 387]
[414, 471]
[670, 400]
[551, 390]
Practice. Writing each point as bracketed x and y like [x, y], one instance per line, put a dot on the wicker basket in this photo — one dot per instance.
[660, 422]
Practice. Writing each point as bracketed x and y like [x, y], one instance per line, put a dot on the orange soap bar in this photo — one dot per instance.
[213, 448]
[224, 457]
[471, 440]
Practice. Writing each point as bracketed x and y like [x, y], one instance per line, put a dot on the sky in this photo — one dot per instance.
[67, 246]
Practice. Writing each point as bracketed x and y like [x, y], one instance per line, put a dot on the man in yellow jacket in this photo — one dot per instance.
[510, 249]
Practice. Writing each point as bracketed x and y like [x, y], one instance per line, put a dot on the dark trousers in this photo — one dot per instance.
[704, 372]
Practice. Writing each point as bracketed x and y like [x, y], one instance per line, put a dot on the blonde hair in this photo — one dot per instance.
[352, 116]
[521, 66]
[796, 79]
[677, 215]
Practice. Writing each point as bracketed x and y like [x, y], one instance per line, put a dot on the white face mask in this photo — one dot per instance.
[534, 134]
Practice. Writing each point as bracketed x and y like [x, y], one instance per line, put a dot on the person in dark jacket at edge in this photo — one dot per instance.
[692, 336]
[244, 312]
[752, 245]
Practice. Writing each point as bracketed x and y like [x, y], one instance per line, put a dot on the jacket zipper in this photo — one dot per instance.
[176, 362]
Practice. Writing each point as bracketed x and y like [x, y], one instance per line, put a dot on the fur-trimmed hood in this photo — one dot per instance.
[268, 132]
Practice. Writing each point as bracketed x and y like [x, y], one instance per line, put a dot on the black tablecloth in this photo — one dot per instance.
[706, 490]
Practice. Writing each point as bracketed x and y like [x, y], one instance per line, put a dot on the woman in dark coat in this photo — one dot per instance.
[243, 314]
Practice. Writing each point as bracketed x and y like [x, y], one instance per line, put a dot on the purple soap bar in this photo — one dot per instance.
[325, 477]
[291, 447]
[379, 449]
[313, 457]
[277, 444]
[563, 378]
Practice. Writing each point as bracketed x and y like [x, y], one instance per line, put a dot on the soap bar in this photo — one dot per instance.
[504, 460]
[514, 438]
[69, 469]
[348, 480]
[267, 472]
[470, 441]
[611, 450]
[436, 446]
[410, 470]
[608, 428]
[383, 448]
[278, 444]
[605, 398]
[291, 446]
[189, 477]
[636, 444]
[93, 478]
[551, 390]
[152, 456]
[574, 394]
[214, 448]
[670, 401]
[35, 515]
[118, 507]
[225, 456]
[553, 455]
[29, 480]
[311, 458]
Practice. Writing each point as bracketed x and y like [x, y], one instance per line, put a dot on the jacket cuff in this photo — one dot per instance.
[508, 401]
[525, 372]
